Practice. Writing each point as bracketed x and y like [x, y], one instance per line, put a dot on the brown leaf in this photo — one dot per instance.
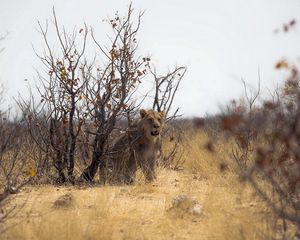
[139, 73]
[270, 105]
[282, 64]
[124, 106]
[292, 22]
[229, 122]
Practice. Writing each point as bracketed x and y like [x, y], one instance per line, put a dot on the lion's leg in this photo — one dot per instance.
[148, 168]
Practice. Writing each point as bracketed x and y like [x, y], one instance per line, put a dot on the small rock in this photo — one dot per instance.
[185, 205]
[179, 200]
[64, 201]
[197, 209]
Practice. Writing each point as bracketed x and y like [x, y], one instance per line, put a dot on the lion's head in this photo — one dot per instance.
[152, 123]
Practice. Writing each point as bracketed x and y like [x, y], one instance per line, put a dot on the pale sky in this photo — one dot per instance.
[219, 41]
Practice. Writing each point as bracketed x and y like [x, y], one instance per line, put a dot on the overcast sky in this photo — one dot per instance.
[219, 41]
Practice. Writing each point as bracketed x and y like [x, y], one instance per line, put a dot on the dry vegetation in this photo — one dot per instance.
[228, 176]
[231, 210]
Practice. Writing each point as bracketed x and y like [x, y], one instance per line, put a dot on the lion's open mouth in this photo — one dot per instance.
[154, 133]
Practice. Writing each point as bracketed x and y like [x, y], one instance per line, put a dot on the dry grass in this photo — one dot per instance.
[231, 210]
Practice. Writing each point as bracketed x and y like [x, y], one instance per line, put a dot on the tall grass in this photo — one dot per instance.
[231, 209]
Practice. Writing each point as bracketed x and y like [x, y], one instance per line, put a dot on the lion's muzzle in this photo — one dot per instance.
[155, 133]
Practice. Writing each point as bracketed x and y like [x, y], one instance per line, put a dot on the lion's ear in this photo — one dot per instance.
[143, 113]
[162, 114]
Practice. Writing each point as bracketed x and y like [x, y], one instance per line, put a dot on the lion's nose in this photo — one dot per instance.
[156, 125]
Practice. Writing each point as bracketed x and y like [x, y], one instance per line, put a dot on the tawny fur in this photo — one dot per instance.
[140, 147]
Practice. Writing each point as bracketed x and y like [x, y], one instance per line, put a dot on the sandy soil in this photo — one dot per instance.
[135, 212]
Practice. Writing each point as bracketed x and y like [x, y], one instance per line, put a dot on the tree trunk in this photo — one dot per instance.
[58, 162]
[89, 173]
[72, 143]
[60, 169]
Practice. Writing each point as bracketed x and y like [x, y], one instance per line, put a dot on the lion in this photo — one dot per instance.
[139, 146]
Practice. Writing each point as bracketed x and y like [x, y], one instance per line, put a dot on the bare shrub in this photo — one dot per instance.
[267, 150]
[59, 115]
[15, 169]
[173, 147]
[85, 103]
[109, 92]
[166, 88]
[241, 121]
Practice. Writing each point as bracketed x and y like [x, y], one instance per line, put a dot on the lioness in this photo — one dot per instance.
[139, 146]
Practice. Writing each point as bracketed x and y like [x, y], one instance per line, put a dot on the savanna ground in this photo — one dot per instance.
[231, 209]
[267, 136]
